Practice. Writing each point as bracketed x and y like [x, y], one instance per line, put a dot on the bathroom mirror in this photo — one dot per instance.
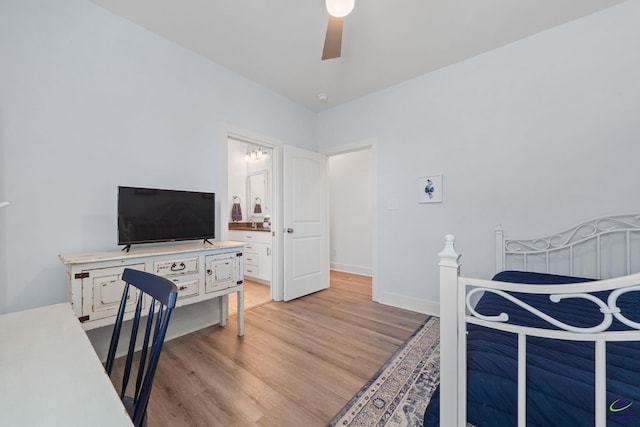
[257, 196]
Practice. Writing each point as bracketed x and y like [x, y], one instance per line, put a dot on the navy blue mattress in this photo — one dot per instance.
[560, 379]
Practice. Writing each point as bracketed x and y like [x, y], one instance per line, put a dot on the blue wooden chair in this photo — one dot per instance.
[163, 294]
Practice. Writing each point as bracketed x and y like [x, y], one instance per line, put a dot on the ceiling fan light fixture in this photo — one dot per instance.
[339, 8]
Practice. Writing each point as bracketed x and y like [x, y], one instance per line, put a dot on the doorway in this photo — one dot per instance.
[366, 209]
[247, 216]
[353, 211]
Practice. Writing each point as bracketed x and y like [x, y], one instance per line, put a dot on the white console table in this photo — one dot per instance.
[51, 375]
[201, 271]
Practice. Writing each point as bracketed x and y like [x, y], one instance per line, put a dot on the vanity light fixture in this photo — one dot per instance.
[256, 153]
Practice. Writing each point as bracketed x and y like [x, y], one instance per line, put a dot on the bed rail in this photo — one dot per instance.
[578, 250]
[457, 310]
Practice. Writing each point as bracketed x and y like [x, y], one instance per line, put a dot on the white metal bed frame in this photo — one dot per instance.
[560, 253]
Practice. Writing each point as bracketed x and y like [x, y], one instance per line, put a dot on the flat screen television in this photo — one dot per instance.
[149, 215]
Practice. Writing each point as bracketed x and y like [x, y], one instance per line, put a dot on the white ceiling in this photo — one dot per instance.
[278, 43]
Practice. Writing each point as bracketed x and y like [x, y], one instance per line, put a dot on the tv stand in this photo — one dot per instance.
[200, 271]
[207, 241]
[127, 248]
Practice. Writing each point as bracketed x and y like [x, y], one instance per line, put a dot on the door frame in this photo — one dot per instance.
[231, 131]
[366, 144]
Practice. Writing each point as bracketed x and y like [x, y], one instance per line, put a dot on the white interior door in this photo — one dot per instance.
[305, 199]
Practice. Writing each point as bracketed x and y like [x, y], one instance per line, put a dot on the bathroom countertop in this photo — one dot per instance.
[246, 226]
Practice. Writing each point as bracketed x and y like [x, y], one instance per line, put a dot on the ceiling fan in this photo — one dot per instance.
[337, 9]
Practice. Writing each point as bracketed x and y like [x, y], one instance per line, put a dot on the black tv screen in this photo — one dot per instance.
[147, 215]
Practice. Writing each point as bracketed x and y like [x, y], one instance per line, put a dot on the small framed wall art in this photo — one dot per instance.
[430, 189]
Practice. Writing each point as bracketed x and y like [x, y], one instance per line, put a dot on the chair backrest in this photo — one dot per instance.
[160, 295]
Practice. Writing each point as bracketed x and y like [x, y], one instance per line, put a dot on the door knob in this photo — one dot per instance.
[289, 230]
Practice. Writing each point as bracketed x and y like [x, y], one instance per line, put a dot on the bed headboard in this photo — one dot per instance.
[602, 248]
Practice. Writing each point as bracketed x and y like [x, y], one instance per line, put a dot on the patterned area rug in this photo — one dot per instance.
[398, 394]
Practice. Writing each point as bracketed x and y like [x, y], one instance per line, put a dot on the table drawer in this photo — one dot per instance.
[187, 287]
[176, 267]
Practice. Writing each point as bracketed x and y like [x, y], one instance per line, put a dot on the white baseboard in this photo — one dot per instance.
[258, 281]
[353, 269]
[409, 303]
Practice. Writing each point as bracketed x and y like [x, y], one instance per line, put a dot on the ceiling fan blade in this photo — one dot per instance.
[333, 40]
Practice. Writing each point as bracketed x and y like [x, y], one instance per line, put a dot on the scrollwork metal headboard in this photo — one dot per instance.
[559, 252]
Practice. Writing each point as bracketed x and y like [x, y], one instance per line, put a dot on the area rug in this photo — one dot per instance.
[398, 394]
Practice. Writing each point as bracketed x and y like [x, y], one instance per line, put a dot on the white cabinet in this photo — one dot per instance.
[200, 271]
[252, 260]
[223, 272]
[258, 260]
[102, 290]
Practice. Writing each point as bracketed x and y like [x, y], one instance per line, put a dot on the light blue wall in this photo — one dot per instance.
[90, 101]
[351, 215]
[536, 136]
[539, 134]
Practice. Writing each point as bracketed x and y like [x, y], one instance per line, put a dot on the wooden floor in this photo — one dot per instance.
[255, 294]
[297, 365]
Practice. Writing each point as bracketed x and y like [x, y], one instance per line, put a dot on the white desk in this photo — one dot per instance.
[50, 374]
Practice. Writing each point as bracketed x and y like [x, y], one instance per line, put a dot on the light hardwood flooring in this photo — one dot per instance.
[255, 294]
[298, 364]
